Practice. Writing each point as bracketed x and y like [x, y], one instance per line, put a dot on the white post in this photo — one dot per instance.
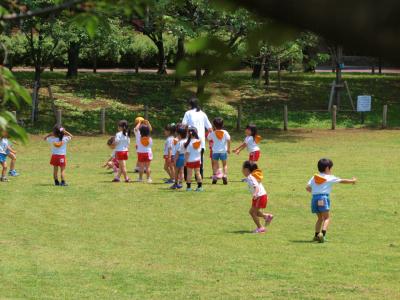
[103, 121]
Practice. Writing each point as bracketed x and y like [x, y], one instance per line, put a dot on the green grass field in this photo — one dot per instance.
[95, 239]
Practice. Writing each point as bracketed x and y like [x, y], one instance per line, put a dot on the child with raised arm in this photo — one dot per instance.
[320, 186]
[169, 132]
[254, 179]
[221, 147]
[251, 142]
[144, 144]
[58, 139]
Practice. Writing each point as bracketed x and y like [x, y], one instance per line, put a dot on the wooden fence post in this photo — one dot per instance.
[334, 113]
[384, 117]
[59, 117]
[239, 117]
[285, 117]
[103, 121]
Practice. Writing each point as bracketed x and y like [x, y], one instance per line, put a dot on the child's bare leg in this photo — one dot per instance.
[225, 167]
[199, 179]
[166, 167]
[141, 170]
[319, 222]
[13, 158]
[55, 173]
[62, 173]
[215, 166]
[4, 171]
[171, 170]
[326, 220]
[254, 214]
[189, 175]
[147, 168]
[122, 169]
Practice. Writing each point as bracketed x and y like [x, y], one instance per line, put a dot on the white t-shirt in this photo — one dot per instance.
[254, 184]
[194, 154]
[4, 143]
[122, 142]
[180, 147]
[175, 143]
[169, 143]
[251, 144]
[219, 145]
[140, 147]
[322, 183]
[58, 147]
[199, 120]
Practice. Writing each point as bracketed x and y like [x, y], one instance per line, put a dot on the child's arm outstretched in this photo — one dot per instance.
[308, 188]
[67, 133]
[240, 148]
[47, 136]
[348, 181]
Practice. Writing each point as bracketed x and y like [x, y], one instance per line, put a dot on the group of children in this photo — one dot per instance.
[182, 159]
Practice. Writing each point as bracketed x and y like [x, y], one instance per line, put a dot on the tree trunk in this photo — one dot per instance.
[256, 71]
[73, 59]
[339, 81]
[279, 73]
[35, 107]
[201, 84]
[94, 62]
[267, 81]
[162, 66]
[380, 65]
[180, 53]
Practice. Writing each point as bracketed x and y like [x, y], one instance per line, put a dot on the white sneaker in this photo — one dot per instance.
[139, 180]
[149, 180]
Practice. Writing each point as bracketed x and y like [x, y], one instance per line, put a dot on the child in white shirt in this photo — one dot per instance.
[320, 186]
[193, 159]
[169, 132]
[112, 162]
[144, 144]
[178, 152]
[122, 142]
[251, 142]
[254, 178]
[58, 139]
[221, 147]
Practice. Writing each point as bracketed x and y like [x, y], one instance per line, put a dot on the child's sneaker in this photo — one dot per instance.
[214, 179]
[169, 181]
[116, 180]
[259, 230]
[128, 180]
[225, 180]
[199, 189]
[149, 180]
[268, 219]
[136, 170]
[4, 179]
[139, 180]
[56, 182]
[63, 183]
[321, 238]
[13, 173]
[189, 189]
[315, 239]
[179, 186]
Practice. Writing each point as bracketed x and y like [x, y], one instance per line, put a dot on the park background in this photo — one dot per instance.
[88, 64]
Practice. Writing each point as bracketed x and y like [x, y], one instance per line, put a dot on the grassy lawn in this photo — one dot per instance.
[95, 239]
[125, 94]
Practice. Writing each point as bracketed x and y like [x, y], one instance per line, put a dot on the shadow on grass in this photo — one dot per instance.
[302, 241]
[240, 232]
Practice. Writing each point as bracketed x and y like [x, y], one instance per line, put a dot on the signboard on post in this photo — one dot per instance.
[364, 103]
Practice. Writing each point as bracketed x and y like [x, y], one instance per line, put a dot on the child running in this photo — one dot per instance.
[254, 178]
[193, 159]
[144, 143]
[58, 139]
[169, 132]
[178, 152]
[122, 141]
[251, 142]
[221, 147]
[112, 162]
[320, 186]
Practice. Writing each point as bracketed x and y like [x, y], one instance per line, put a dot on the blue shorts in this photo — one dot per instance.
[320, 203]
[180, 162]
[3, 157]
[220, 156]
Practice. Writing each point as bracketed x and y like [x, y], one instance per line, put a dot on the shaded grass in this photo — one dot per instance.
[137, 241]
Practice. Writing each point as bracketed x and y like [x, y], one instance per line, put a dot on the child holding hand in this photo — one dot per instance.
[320, 186]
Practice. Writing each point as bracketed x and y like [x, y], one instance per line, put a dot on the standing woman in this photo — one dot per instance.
[195, 117]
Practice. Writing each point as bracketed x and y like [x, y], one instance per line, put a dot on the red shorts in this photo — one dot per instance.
[121, 155]
[144, 157]
[166, 158]
[193, 165]
[254, 156]
[260, 202]
[58, 160]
